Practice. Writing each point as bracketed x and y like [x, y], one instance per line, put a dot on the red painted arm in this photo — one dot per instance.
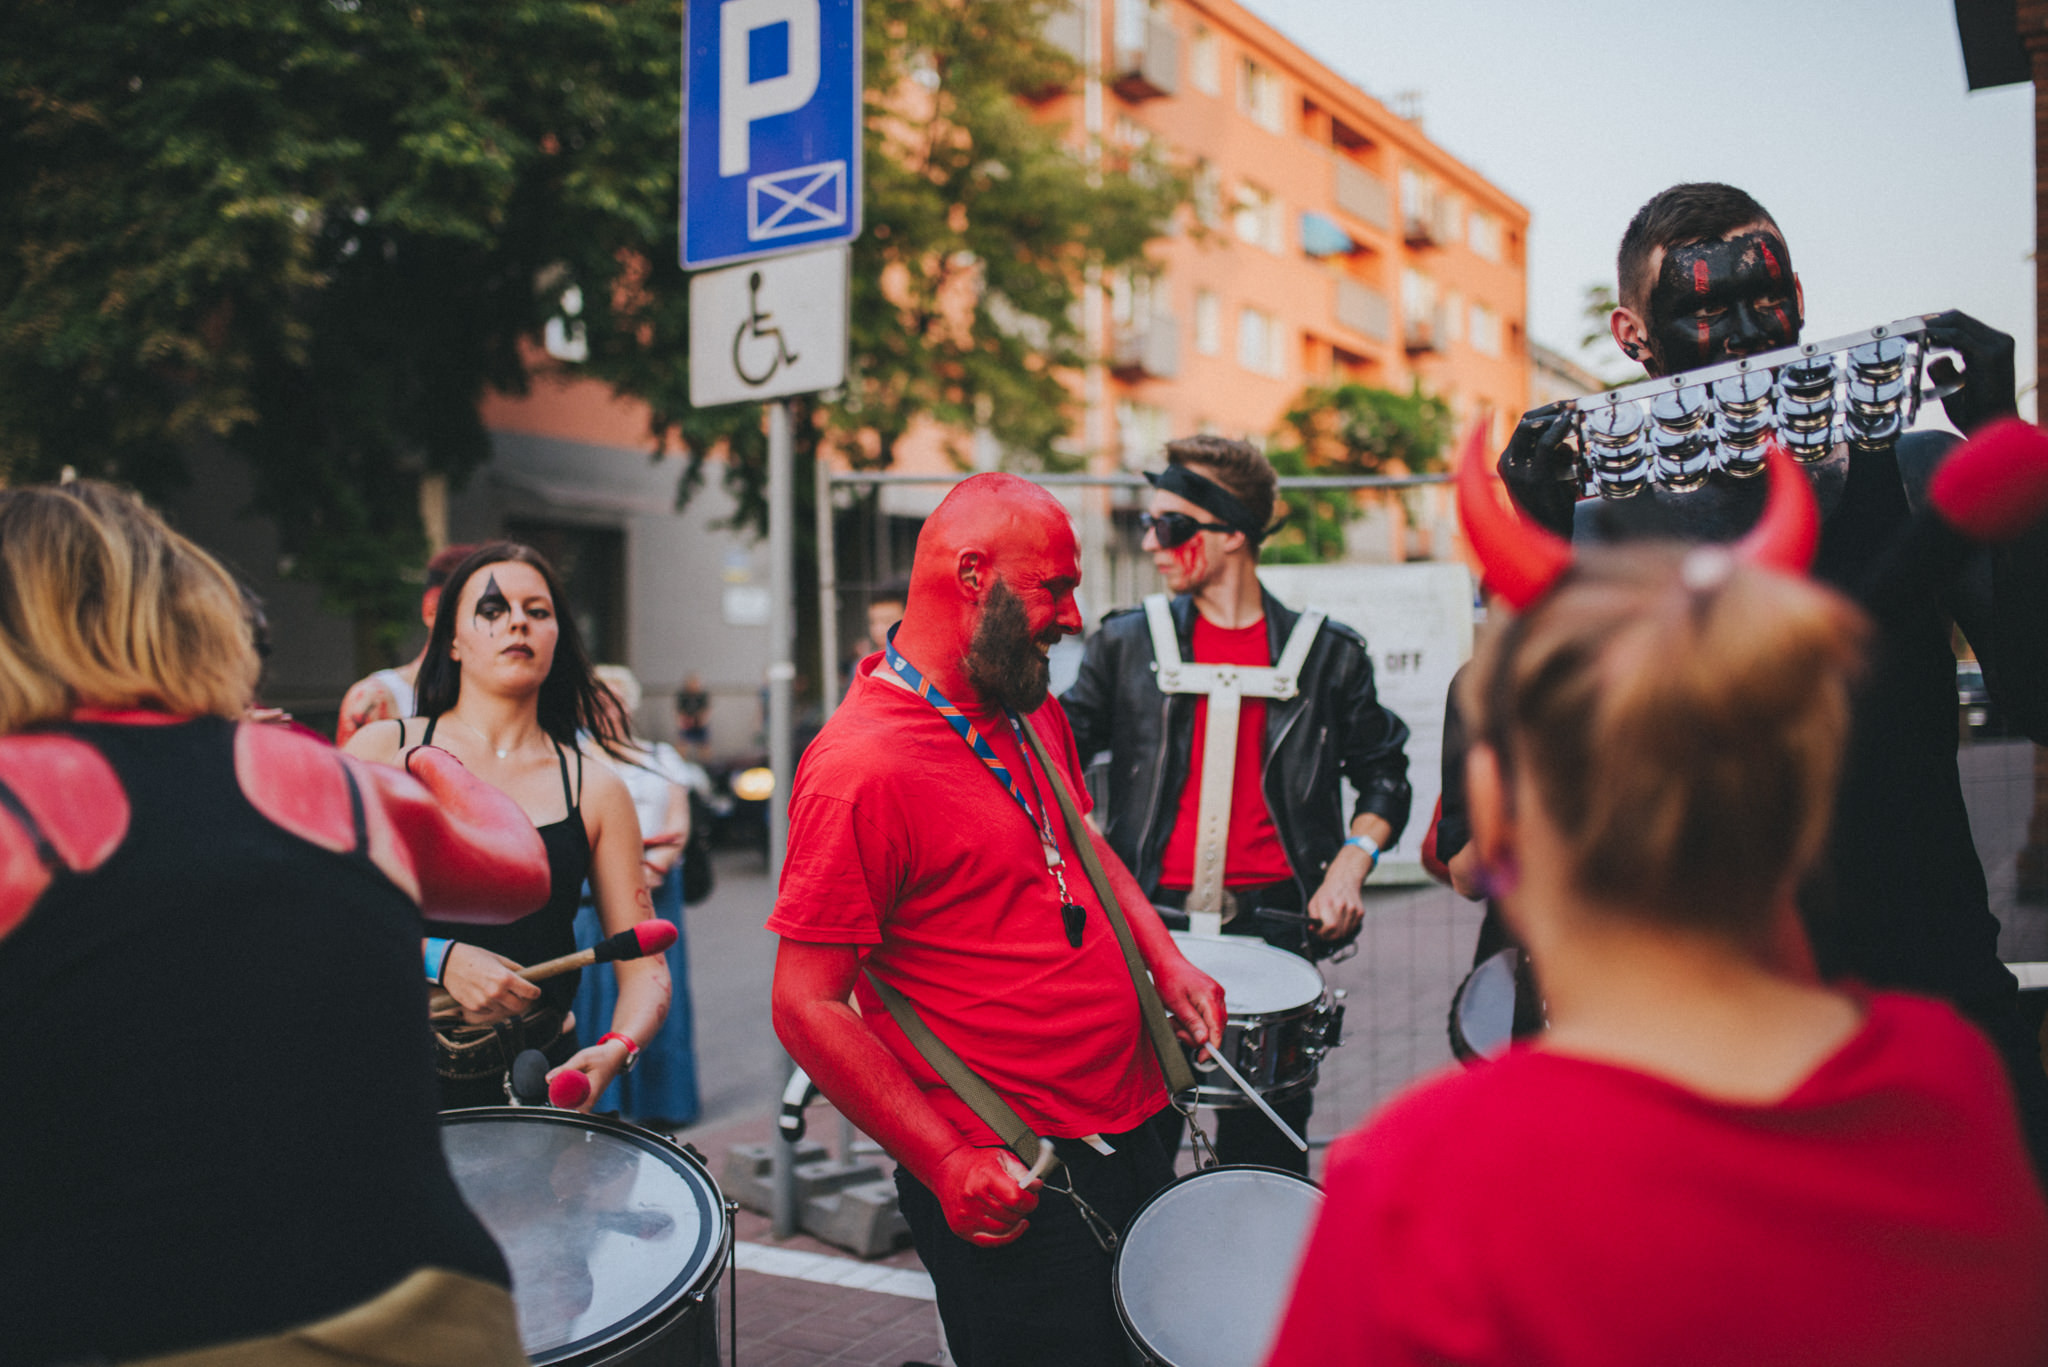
[979, 1189]
[475, 856]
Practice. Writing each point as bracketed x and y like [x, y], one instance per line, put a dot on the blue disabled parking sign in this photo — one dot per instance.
[771, 127]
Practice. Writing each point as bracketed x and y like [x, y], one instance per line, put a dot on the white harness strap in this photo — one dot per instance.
[1226, 686]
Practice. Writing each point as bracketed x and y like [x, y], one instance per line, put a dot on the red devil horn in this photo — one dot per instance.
[1519, 559]
[1788, 533]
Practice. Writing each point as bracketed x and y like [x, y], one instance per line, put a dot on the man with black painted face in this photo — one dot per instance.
[1705, 275]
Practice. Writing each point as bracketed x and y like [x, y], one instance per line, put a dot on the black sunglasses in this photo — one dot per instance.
[1171, 529]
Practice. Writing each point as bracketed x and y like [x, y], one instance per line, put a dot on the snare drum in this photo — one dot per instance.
[1183, 1301]
[1496, 1005]
[615, 1236]
[1282, 1018]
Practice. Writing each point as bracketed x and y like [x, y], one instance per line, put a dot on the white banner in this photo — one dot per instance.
[1417, 624]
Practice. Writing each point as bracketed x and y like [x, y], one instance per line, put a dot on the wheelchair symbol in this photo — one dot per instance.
[755, 329]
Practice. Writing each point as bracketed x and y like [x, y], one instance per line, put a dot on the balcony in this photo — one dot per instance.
[1146, 349]
[1364, 310]
[1363, 195]
[1424, 334]
[1150, 69]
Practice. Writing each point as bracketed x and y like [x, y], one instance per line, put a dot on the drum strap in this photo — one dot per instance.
[968, 1085]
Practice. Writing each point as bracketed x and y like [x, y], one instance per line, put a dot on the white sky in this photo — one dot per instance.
[1899, 192]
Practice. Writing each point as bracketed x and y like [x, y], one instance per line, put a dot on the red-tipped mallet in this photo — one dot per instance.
[1991, 489]
[649, 937]
[568, 1089]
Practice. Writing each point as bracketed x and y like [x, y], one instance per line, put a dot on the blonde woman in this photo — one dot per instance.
[1710, 1157]
[230, 1126]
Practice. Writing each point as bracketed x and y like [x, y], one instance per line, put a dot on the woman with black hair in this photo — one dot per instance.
[506, 688]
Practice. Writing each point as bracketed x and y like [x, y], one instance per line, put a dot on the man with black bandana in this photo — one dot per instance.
[1291, 862]
[1705, 275]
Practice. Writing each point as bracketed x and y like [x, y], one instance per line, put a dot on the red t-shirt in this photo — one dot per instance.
[1253, 855]
[1545, 1210]
[903, 842]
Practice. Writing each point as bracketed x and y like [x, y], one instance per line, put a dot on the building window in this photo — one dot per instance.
[1205, 64]
[1142, 431]
[1208, 323]
[1208, 195]
[1454, 315]
[1131, 16]
[1259, 344]
[1258, 94]
[1256, 217]
[1482, 234]
[1485, 330]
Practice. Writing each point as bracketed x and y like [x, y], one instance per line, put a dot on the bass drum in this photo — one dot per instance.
[1282, 1019]
[1203, 1273]
[615, 1236]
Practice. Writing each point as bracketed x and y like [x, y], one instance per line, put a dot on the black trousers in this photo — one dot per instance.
[1244, 1135]
[1044, 1299]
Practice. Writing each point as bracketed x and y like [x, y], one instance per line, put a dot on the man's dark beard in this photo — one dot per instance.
[1003, 662]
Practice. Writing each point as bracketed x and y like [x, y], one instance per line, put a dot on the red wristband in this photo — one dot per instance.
[632, 1047]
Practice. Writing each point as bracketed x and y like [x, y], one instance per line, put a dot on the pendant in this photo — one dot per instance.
[1075, 916]
[501, 754]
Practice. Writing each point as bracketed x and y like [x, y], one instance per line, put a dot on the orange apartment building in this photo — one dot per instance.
[1330, 239]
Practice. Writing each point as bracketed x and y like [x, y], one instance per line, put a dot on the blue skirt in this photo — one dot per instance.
[664, 1086]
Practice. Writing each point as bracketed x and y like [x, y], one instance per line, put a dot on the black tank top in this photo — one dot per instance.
[550, 932]
[219, 1116]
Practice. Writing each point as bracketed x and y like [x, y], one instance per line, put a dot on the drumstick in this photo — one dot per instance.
[569, 1090]
[649, 937]
[1257, 1100]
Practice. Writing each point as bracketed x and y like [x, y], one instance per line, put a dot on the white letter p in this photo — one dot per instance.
[743, 102]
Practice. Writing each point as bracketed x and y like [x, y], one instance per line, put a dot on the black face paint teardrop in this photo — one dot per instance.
[491, 607]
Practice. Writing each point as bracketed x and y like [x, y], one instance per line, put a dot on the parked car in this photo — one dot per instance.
[1978, 714]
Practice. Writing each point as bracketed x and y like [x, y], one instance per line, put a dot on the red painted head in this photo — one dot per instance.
[991, 592]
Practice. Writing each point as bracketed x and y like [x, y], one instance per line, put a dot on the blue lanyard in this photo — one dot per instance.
[1041, 819]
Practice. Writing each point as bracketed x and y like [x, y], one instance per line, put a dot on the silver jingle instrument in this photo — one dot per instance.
[1862, 389]
[1281, 1018]
[615, 1236]
[1202, 1276]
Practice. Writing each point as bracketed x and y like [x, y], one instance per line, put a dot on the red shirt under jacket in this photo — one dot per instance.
[1253, 855]
[1545, 1210]
[903, 842]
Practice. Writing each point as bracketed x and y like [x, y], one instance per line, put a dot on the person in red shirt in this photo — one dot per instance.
[919, 861]
[1710, 1157]
[1293, 863]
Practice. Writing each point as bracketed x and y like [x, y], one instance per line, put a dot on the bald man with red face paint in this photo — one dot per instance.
[927, 852]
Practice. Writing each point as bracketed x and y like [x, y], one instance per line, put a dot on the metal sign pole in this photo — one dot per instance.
[781, 673]
[828, 597]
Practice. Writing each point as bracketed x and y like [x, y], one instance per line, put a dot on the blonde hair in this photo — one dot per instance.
[102, 604]
[1682, 716]
[620, 681]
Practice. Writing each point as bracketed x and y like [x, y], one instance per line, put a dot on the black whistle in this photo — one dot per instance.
[1075, 916]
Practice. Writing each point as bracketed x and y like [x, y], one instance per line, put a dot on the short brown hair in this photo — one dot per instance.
[1236, 465]
[1682, 716]
[103, 605]
[1703, 211]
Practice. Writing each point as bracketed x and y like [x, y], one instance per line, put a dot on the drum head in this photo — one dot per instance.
[1203, 1273]
[1257, 978]
[1483, 1013]
[605, 1226]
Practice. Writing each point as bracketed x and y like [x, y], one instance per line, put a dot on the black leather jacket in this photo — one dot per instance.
[1334, 726]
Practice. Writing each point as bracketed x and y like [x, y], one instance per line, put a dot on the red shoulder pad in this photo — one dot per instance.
[73, 794]
[79, 809]
[297, 783]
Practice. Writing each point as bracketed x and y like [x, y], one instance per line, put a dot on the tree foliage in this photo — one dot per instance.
[1350, 429]
[318, 232]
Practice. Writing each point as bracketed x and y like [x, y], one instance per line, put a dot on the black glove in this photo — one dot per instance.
[1984, 389]
[1541, 469]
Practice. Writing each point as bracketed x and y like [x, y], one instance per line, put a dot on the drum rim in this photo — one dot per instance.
[1116, 1264]
[1233, 944]
[717, 1233]
[1462, 1048]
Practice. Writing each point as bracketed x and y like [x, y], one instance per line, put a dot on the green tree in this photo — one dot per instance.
[1349, 429]
[319, 232]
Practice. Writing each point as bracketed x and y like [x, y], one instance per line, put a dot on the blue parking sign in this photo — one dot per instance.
[771, 127]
